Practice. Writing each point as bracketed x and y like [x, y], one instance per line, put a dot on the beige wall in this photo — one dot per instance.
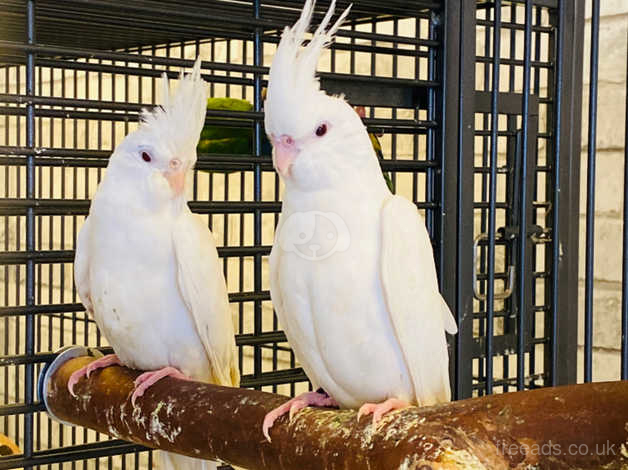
[609, 188]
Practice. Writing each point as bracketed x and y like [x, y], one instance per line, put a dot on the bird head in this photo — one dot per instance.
[160, 152]
[317, 139]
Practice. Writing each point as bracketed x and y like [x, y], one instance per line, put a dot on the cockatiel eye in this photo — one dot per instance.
[321, 130]
[146, 157]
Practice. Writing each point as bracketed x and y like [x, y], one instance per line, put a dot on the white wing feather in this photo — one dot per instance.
[299, 340]
[204, 292]
[81, 266]
[418, 312]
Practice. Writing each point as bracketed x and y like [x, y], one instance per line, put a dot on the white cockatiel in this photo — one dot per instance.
[352, 274]
[147, 269]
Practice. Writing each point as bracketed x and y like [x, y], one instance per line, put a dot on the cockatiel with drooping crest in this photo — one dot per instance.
[352, 274]
[147, 269]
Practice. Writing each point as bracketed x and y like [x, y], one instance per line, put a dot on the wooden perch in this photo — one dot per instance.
[581, 426]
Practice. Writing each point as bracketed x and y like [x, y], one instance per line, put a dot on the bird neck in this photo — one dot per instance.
[363, 187]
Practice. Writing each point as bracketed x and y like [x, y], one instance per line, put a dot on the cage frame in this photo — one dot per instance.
[450, 100]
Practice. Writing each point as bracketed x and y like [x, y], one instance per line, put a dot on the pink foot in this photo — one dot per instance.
[380, 409]
[101, 363]
[147, 379]
[294, 405]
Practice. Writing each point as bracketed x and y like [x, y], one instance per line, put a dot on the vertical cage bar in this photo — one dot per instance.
[257, 191]
[624, 280]
[5, 268]
[536, 90]
[485, 177]
[438, 73]
[490, 291]
[523, 223]
[590, 223]
[416, 140]
[459, 88]
[556, 199]
[30, 231]
[566, 119]
[430, 214]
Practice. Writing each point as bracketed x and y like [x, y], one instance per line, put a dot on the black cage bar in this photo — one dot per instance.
[477, 105]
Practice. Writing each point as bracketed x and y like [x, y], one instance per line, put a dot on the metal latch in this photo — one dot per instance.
[510, 280]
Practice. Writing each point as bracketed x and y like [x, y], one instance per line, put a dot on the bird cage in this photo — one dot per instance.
[475, 105]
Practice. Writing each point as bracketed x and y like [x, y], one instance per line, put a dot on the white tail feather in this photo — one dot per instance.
[170, 461]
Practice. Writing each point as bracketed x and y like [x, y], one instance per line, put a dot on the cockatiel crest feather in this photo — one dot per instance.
[177, 123]
[293, 84]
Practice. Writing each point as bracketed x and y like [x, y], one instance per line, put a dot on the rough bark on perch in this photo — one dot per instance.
[582, 426]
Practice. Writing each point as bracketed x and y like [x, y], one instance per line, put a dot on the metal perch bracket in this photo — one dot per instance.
[63, 356]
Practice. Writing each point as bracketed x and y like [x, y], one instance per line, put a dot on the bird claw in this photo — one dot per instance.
[293, 406]
[366, 410]
[270, 419]
[296, 406]
[135, 395]
[100, 363]
[380, 409]
[146, 380]
[74, 378]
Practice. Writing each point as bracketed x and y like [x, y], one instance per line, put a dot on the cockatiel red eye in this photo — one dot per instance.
[321, 130]
[146, 157]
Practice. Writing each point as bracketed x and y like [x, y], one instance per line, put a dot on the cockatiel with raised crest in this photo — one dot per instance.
[352, 275]
[147, 269]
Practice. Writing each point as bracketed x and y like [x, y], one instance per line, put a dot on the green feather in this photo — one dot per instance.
[211, 132]
[228, 145]
[229, 104]
[227, 139]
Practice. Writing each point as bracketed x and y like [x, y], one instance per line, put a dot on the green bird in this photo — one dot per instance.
[228, 139]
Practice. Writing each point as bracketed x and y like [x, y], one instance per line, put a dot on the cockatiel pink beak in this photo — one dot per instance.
[175, 175]
[176, 180]
[285, 153]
